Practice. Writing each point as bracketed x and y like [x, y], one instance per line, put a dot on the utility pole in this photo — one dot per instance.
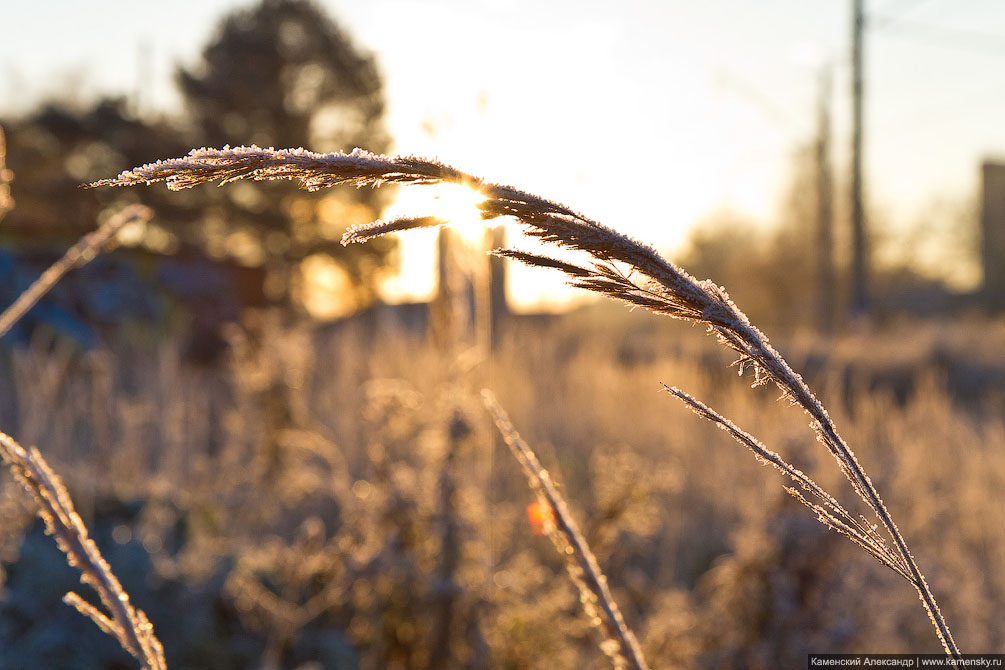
[498, 307]
[860, 264]
[826, 302]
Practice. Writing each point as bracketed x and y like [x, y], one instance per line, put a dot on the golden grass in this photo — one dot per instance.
[362, 518]
[617, 267]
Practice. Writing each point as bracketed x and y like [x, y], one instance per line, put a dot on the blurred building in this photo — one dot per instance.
[993, 234]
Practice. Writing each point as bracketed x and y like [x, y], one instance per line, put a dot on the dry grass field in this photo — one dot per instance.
[224, 449]
[336, 496]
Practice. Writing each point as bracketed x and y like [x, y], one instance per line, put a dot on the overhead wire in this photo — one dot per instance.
[961, 39]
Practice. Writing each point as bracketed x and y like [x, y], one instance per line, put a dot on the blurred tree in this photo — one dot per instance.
[54, 149]
[6, 176]
[770, 270]
[57, 147]
[278, 74]
[283, 74]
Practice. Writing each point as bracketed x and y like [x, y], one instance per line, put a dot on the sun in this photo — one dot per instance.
[456, 204]
[415, 277]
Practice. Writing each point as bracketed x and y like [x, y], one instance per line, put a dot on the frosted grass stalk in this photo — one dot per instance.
[617, 266]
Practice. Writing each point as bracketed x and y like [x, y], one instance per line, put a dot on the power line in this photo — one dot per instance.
[895, 8]
[969, 40]
[961, 107]
[755, 98]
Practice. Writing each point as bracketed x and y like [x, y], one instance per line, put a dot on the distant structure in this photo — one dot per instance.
[470, 303]
[498, 307]
[469, 308]
[993, 234]
[826, 294]
[859, 234]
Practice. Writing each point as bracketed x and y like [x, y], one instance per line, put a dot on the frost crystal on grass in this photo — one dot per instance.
[651, 282]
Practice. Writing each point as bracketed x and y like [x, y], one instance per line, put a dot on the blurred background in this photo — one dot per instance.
[277, 439]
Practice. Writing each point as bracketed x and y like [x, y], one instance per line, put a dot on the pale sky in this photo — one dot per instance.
[648, 116]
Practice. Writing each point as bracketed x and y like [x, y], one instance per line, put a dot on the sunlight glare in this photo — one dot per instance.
[415, 279]
[325, 289]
